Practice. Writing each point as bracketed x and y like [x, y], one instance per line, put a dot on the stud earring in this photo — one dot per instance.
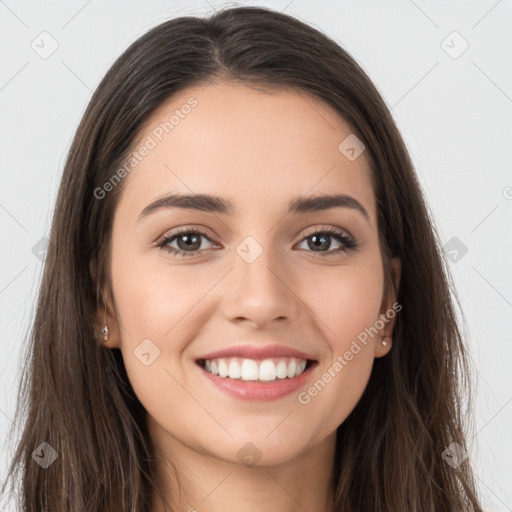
[384, 342]
[104, 331]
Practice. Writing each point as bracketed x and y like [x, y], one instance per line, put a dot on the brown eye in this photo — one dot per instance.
[189, 242]
[320, 242]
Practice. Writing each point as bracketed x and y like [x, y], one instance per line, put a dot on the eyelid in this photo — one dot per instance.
[322, 227]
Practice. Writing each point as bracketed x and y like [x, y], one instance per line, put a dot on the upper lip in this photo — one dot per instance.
[257, 352]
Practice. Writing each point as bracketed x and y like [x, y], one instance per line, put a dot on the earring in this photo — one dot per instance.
[384, 342]
[104, 331]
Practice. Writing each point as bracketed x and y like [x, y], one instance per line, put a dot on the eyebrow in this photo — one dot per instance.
[213, 204]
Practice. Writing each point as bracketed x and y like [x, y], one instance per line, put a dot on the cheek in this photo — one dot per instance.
[155, 307]
[345, 300]
[346, 303]
[152, 298]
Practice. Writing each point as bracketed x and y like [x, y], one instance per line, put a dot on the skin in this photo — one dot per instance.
[258, 150]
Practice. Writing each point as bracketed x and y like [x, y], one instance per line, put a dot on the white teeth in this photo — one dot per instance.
[267, 370]
[300, 368]
[291, 368]
[234, 371]
[223, 369]
[250, 369]
[281, 370]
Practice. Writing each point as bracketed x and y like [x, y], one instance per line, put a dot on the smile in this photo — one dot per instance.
[244, 369]
[257, 379]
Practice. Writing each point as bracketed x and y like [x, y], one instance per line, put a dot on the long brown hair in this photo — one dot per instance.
[75, 395]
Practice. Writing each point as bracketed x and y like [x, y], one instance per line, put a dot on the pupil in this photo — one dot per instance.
[317, 238]
[190, 241]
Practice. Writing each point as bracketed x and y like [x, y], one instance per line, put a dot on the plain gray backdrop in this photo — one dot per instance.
[444, 69]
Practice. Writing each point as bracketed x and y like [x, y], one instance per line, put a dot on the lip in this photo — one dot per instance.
[257, 352]
[251, 390]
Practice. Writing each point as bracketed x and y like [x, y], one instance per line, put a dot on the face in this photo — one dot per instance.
[189, 282]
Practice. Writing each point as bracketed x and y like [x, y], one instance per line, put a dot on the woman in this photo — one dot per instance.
[244, 302]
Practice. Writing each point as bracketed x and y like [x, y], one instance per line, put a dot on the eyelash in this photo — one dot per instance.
[349, 243]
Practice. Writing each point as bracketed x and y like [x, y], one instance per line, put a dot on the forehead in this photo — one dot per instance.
[252, 147]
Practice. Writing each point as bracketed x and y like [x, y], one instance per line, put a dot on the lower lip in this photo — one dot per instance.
[252, 390]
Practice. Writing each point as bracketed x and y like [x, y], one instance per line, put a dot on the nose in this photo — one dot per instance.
[260, 292]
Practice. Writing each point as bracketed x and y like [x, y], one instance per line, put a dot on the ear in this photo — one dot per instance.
[389, 309]
[105, 313]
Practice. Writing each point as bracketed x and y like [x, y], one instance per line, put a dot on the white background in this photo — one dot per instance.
[455, 115]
